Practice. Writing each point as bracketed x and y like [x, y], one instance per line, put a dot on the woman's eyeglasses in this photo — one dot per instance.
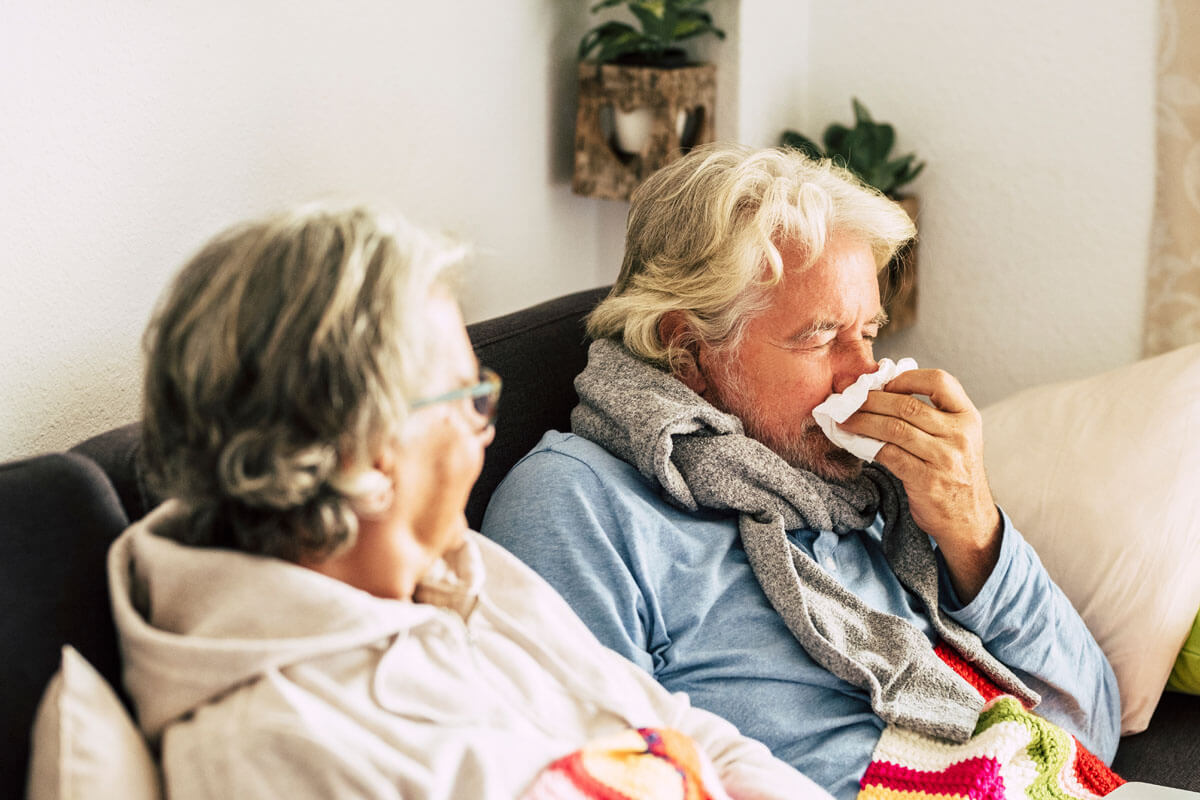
[485, 396]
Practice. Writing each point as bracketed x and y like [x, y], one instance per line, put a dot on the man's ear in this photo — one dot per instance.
[675, 333]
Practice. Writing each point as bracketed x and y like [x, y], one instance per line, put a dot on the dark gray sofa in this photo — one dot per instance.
[59, 512]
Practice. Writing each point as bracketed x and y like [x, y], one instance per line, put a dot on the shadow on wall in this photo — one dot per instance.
[568, 22]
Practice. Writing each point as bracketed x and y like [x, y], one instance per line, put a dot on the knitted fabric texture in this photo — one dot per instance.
[1013, 754]
[641, 764]
[701, 458]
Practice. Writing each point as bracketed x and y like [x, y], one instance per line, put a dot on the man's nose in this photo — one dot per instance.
[855, 359]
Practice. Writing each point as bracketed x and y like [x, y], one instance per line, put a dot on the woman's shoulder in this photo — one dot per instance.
[516, 589]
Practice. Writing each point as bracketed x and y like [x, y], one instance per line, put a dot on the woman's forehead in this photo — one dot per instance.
[451, 356]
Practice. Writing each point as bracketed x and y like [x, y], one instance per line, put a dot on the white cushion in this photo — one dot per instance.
[84, 743]
[1102, 476]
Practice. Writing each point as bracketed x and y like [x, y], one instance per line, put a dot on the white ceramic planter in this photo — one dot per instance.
[631, 129]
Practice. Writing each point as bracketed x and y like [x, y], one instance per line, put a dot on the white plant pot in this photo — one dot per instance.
[631, 129]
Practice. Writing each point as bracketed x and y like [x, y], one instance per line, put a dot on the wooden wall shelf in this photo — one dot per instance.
[682, 101]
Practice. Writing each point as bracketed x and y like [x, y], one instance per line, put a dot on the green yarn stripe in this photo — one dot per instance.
[1049, 746]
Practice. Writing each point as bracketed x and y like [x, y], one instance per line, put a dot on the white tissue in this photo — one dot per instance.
[839, 406]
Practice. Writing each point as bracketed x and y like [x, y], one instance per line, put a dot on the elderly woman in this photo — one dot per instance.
[308, 615]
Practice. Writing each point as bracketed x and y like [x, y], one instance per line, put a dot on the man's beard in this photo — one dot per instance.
[809, 449]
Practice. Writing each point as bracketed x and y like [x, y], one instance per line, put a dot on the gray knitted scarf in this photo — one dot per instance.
[702, 459]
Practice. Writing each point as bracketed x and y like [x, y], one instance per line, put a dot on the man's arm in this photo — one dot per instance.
[1026, 621]
[997, 586]
[553, 513]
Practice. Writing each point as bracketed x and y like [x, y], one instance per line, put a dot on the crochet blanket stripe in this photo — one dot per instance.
[1012, 754]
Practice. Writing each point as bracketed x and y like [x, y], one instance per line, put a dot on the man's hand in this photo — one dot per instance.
[937, 452]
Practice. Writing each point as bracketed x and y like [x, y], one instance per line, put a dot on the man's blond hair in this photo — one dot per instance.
[704, 236]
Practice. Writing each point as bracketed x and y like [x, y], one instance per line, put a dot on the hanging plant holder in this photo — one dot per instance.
[898, 280]
[672, 107]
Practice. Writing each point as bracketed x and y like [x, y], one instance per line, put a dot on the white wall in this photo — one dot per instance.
[132, 131]
[1036, 120]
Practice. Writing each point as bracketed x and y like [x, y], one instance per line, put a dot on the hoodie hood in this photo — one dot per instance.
[195, 622]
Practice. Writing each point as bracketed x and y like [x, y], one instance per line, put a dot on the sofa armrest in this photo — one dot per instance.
[58, 515]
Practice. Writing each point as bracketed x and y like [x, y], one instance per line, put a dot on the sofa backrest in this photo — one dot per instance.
[538, 351]
[116, 451]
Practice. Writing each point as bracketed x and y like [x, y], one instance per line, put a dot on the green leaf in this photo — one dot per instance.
[883, 176]
[589, 41]
[653, 24]
[614, 49]
[687, 28]
[861, 114]
[908, 172]
[865, 150]
[607, 4]
[662, 22]
[802, 143]
[610, 40]
[902, 164]
[656, 17]
[835, 139]
[885, 139]
[695, 23]
[860, 150]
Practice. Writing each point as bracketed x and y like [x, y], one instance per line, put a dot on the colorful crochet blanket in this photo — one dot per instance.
[1013, 754]
[641, 764]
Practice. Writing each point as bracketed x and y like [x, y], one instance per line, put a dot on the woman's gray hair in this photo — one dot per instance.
[280, 361]
[704, 234]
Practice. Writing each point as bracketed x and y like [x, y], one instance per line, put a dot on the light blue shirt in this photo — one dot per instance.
[673, 591]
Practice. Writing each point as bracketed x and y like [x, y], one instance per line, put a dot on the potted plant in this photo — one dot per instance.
[660, 101]
[664, 23]
[866, 150]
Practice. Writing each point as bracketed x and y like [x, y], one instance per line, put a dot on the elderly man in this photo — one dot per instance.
[701, 523]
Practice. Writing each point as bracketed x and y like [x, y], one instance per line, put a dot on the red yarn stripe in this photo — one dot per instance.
[988, 690]
[1093, 773]
[977, 778]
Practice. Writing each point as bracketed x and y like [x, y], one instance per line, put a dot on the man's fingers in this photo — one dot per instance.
[896, 431]
[907, 407]
[943, 390]
[904, 465]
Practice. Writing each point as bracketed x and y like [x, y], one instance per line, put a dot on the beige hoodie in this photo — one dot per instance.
[259, 678]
